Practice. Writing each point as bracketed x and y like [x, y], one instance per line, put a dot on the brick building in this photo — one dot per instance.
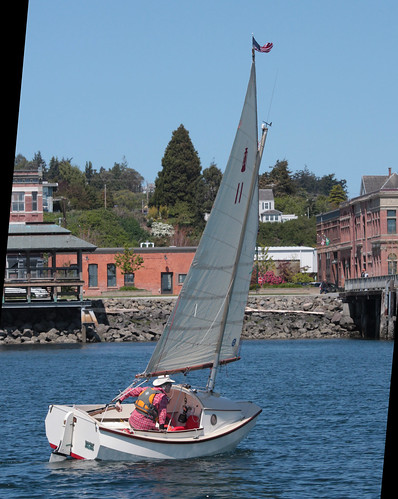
[163, 270]
[26, 197]
[361, 235]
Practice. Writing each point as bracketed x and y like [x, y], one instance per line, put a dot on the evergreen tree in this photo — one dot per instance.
[306, 181]
[181, 169]
[327, 182]
[337, 195]
[206, 189]
[89, 171]
[53, 170]
[278, 179]
[39, 162]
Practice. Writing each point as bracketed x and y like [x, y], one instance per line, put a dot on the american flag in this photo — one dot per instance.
[265, 48]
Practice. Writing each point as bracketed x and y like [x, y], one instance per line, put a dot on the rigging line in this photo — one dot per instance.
[135, 382]
[272, 95]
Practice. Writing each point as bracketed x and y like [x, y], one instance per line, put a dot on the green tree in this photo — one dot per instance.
[89, 171]
[300, 232]
[204, 193]
[100, 227]
[128, 261]
[297, 205]
[180, 170]
[279, 179]
[39, 162]
[207, 187]
[306, 181]
[52, 174]
[337, 195]
[326, 183]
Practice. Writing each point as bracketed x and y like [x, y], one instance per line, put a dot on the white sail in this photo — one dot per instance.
[203, 331]
[212, 301]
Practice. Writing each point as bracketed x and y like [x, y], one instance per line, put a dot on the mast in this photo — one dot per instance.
[214, 370]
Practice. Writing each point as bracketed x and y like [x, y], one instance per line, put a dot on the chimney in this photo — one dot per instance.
[389, 172]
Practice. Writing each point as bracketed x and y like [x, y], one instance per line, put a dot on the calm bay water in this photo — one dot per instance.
[321, 432]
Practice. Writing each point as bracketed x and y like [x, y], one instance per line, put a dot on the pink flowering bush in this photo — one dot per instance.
[269, 278]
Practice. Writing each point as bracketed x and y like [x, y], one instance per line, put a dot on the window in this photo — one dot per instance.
[391, 222]
[18, 201]
[129, 279]
[392, 263]
[111, 275]
[166, 282]
[92, 275]
[181, 278]
[34, 201]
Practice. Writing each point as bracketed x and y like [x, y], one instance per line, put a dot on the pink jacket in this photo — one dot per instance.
[138, 420]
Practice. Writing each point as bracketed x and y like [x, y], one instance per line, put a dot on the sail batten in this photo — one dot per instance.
[206, 323]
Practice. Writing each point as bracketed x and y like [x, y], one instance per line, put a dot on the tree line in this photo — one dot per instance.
[106, 207]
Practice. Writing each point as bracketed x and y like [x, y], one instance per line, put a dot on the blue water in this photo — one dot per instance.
[321, 432]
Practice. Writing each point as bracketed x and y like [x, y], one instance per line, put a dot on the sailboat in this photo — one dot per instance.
[202, 333]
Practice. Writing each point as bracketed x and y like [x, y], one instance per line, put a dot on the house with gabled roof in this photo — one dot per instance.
[266, 208]
[375, 183]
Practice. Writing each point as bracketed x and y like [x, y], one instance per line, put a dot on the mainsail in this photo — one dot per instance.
[206, 322]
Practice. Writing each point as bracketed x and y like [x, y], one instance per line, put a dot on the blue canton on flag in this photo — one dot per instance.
[265, 48]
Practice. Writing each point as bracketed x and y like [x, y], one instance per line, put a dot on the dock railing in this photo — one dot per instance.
[370, 283]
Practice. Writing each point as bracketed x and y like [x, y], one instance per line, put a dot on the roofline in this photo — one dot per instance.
[156, 249]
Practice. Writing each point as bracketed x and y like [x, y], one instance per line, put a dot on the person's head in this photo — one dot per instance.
[163, 382]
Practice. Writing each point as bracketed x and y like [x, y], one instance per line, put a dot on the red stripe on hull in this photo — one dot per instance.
[72, 455]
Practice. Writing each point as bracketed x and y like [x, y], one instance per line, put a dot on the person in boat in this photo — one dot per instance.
[150, 406]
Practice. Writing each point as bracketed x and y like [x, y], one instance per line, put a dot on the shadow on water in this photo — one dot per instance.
[218, 476]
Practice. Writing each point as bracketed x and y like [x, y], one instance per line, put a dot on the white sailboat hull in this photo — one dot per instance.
[73, 432]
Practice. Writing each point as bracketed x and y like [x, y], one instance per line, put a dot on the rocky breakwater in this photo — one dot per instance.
[266, 317]
[295, 317]
[29, 326]
[143, 319]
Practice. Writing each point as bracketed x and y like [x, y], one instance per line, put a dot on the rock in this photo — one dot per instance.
[336, 318]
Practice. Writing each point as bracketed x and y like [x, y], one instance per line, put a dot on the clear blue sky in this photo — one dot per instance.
[104, 80]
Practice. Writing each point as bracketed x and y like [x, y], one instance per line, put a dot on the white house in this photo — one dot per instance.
[266, 208]
[305, 255]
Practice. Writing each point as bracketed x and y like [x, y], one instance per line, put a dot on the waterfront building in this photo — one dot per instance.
[35, 268]
[360, 237]
[162, 273]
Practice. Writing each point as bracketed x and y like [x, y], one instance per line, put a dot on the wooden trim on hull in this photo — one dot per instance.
[178, 441]
[187, 369]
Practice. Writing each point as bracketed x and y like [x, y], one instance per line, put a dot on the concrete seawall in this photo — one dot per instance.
[143, 319]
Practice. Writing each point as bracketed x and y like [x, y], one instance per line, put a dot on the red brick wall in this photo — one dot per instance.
[148, 277]
[28, 215]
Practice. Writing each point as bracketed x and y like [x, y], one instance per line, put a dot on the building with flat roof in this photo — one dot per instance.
[163, 271]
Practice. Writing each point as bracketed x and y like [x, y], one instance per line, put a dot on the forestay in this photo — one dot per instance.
[213, 298]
